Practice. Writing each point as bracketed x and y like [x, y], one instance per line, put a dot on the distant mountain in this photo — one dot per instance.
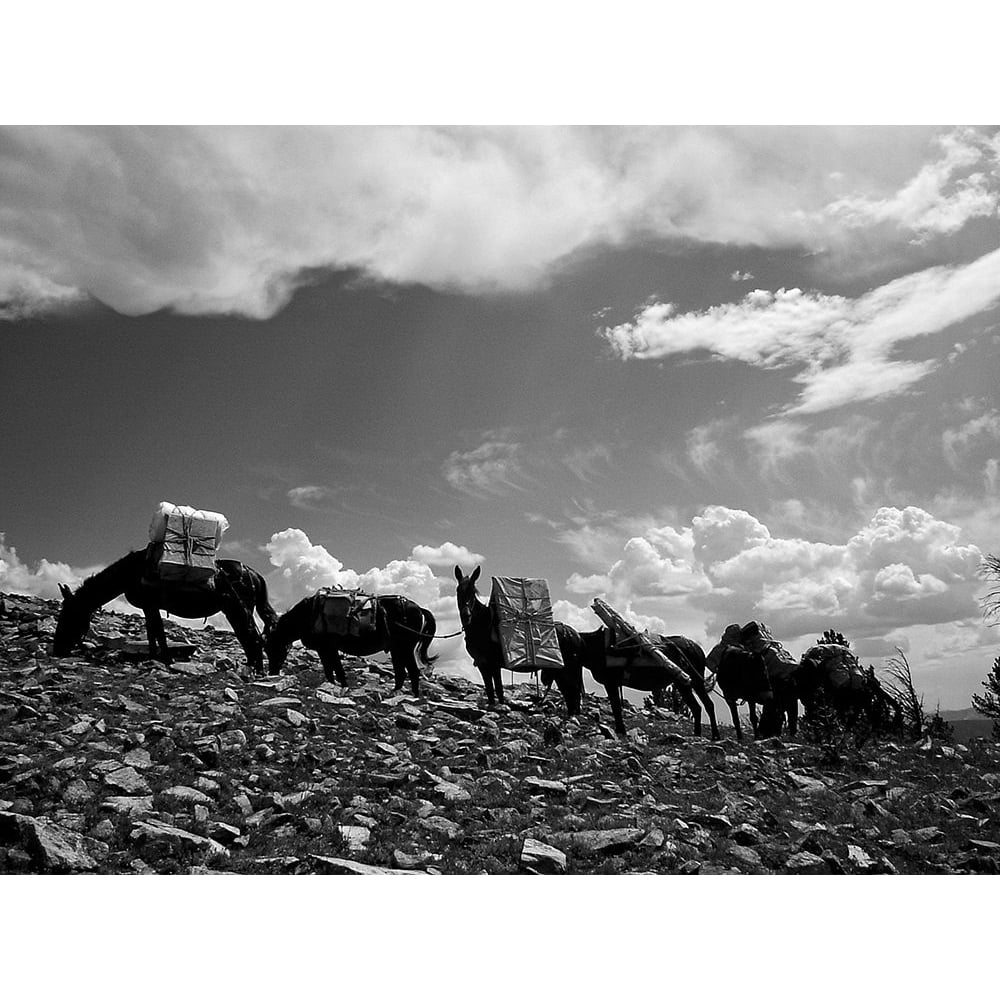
[968, 724]
[961, 714]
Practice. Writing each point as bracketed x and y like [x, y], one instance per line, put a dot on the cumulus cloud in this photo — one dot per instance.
[903, 568]
[42, 581]
[842, 349]
[233, 220]
[302, 567]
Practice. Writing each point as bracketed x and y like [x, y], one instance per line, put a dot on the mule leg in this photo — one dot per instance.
[689, 699]
[498, 682]
[706, 700]
[571, 696]
[486, 672]
[734, 712]
[752, 705]
[398, 669]
[404, 661]
[659, 697]
[156, 635]
[793, 716]
[615, 697]
[413, 669]
[333, 666]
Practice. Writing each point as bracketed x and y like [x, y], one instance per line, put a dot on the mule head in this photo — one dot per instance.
[276, 650]
[72, 624]
[466, 593]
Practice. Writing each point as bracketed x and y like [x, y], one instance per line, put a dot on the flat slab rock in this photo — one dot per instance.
[156, 830]
[52, 847]
[459, 709]
[344, 866]
[600, 841]
[539, 858]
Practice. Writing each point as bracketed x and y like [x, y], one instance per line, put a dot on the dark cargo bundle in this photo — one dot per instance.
[344, 612]
[756, 637]
[525, 624]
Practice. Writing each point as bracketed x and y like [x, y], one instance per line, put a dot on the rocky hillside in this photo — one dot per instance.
[110, 762]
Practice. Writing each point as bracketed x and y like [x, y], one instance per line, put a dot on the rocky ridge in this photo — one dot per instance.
[113, 763]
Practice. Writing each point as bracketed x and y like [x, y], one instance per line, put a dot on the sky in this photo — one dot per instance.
[708, 374]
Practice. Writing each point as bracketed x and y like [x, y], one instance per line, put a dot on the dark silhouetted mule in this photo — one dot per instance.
[830, 675]
[744, 675]
[236, 590]
[618, 667]
[482, 642]
[403, 629]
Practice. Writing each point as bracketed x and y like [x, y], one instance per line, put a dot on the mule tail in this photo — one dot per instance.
[428, 628]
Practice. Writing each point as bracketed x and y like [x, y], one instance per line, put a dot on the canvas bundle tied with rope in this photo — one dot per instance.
[627, 646]
[344, 612]
[185, 543]
[525, 624]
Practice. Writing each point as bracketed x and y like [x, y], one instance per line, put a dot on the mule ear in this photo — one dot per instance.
[475, 574]
[458, 573]
[65, 591]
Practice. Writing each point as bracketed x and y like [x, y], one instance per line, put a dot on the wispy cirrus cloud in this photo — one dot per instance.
[840, 349]
[495, 467]
[307, 497]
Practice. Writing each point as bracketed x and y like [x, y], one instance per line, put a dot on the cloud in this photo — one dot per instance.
[447, 554]
[233, 220]
[840, 348]
[494, 467]
[306, 497]
[943, 195]
[738, 275]
[42, 581]
[975, 435]
[902, 569]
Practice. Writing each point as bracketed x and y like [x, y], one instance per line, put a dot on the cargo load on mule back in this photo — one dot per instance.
[522, 610]
[183, 545]
[344, 612]
[627, 647]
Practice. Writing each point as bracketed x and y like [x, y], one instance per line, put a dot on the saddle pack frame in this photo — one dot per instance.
[345, 612]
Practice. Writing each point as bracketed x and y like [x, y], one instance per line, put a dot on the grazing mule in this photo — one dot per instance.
[482, 642]
[236, 590]
[634, 669]
[402, 629]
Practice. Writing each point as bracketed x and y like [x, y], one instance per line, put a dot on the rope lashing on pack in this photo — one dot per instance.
[427, 635]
